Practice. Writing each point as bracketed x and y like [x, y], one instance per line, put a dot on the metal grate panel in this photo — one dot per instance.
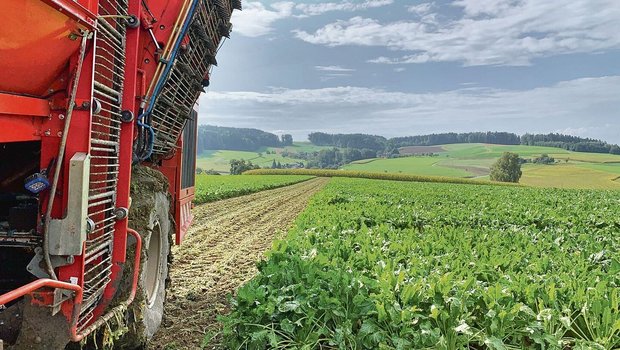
[105, 131]
[174, 104]
[188, 169]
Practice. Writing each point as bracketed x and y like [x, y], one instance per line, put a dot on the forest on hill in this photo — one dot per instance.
[243, 139]
[238, 139]
[567, 142]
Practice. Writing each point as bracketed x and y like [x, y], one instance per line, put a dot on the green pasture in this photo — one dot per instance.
[220, 160]
[574, 169]
[429, 166]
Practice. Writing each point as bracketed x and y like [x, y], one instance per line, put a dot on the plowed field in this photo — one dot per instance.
[219, 254]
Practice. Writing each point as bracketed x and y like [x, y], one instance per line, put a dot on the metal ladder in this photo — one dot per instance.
[105, 131]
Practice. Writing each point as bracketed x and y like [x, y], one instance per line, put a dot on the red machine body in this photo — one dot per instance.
[88, 90]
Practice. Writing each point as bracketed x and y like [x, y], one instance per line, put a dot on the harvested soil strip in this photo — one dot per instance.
[219, 255]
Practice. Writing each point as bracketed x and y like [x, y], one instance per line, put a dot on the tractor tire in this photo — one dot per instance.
[149, 215]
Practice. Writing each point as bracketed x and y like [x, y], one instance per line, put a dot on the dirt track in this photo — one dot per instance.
[219, 254]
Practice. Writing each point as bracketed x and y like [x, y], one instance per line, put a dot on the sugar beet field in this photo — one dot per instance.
[372, 264]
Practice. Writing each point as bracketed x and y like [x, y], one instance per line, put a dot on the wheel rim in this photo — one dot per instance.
[153, 265]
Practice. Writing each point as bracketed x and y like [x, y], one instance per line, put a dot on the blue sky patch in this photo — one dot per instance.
[400, 68]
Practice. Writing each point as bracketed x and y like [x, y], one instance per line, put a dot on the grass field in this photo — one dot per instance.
[210, 188]
[300, 147]
[220, 160]
[480, 151]
[570, 176]
[413, 165]
[391, 265]
[613, 168]
[358, 174]
[575, 170]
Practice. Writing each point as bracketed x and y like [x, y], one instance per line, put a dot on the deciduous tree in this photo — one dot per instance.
[507, 168]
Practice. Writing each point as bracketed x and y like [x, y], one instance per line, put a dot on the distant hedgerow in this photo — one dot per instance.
[370, 175]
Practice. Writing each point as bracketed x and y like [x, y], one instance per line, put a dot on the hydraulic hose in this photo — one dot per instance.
[171, 39]
[151, 142]
[173, 54]
[160, 76]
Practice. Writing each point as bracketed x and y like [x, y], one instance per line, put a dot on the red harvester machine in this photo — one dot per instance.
[97, 155]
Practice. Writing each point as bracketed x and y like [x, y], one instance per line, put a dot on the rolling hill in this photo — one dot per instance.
[573, 169]
[219, 160]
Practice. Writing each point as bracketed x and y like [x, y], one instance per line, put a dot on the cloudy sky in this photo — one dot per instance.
[395, 67]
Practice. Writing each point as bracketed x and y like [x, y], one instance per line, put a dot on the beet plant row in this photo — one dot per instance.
[392, 265]
[211, 188]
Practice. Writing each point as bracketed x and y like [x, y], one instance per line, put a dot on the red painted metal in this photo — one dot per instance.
[34, 52]
[75, 11]
[26, 117]
[38, 58]
[77, 337]
[183, 214]
[182, 197]
[77, 300]
[166, 13]
[22, 129]
[38, 284]
[79, 143]
[136, 264]
[126, 152]
[22, 105]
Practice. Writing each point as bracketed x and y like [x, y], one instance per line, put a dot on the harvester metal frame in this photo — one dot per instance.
[79, 107]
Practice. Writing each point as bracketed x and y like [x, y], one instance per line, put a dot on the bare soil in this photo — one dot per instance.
[219, 255]
[410, 150]
[476, 170]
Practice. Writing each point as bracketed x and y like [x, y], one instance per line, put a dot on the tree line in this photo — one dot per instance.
[238, 139]
[358, 141]
[500, 138]
[380, 143]
[333, 158]
[245, 139]
[570, 143]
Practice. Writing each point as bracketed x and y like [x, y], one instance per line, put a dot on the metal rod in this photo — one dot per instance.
[123, 306]
[107, 89]
[61, 155]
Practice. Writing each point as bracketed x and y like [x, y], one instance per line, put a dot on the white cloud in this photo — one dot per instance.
[474, 8]
[321, 8]
[577, 104]
[363, 32]
[604, 131]
[574, 131]
[421, 9]
[256, 20]
[333, 69]
[493, 32]
[421, 58]
[399, 69]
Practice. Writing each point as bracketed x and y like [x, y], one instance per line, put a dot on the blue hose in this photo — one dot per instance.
[163, 78]
[151, 141]
[175, 50]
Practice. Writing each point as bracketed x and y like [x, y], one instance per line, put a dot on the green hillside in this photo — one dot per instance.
[574, 170]
[300, 147]
[413, 165]
[219, 160]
